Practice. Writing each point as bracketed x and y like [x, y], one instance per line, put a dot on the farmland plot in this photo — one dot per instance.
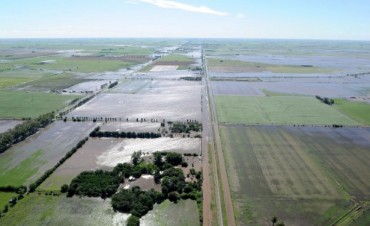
[25, 162]
[31, 104]
[278, 110]
[171, 107]
[106, 153]
[304, 176]
[191, 88]
[183, 213]
[35, 210]
[131, 127]
[5, 125]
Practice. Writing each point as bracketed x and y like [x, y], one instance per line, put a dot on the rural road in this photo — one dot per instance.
[211, 131]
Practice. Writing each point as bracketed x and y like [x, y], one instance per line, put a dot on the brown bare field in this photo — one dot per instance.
[304, 176]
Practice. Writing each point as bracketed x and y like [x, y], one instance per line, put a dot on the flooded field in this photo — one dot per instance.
[25, 162]
[5, 125]
[171, 107]
[35, 210]
[333, 88]
[90, 86]
[184, 213]
[137, 127]
[106, 153]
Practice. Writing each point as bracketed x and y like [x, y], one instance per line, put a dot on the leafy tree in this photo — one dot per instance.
[133, 221]
[174, 159]
[64, 188]
[274, 220]
[136, 158]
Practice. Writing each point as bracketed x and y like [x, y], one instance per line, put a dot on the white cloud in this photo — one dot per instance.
[169, 4]
[240, 16]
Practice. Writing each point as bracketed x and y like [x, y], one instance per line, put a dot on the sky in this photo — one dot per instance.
[271, 19]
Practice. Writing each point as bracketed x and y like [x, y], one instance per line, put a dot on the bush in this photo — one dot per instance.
[174, 159]
[184, 164]
[133, 221]
[64, 188]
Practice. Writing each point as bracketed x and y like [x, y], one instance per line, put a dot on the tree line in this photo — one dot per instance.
[22, 131]
[147, 135]
[325, 100]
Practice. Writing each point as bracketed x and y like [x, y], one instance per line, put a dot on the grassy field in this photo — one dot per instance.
[38, 210]
[73, 64]
[4, 199]
[9, 82]
[304, 176]
[223, 65]
[358, 111]
[277, 110]
[183, 213]
[53, 82]
[31, 104]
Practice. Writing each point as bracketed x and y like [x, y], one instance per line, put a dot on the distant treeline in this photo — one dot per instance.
[22, 131]
[97, 133]
[192, 78]
[325, 100]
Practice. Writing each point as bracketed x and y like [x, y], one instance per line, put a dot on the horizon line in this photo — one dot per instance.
[204, 38]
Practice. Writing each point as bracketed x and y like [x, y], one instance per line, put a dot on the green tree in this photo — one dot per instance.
[64, 188]
[273, 220]
[136, 158]
[133, 221]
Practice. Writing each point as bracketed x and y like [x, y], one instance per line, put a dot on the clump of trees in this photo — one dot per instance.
[136, 201]
[113, 84]
[22, 131]
[97, 133]
[325, 100]
[182, 127]
[97, 183]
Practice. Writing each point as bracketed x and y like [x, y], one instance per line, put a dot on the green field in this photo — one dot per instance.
[358, 111]
[9, 81]
[38, 210]
[22, 172]
[4, 199]
[53, 82]
[73, 64]
[302, 175]
[31, 104]
[278, 110]
[224, 65]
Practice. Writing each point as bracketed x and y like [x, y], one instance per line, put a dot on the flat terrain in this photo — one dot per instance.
[106, 153]
[304, 176]
[183, 213]
[31, 104]
[359, 111]
[35, 210]
[5, 197]
[236, 66]
[171, 107]
[25, 162]
[278, 110]
[136, 127]
[5, 125]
